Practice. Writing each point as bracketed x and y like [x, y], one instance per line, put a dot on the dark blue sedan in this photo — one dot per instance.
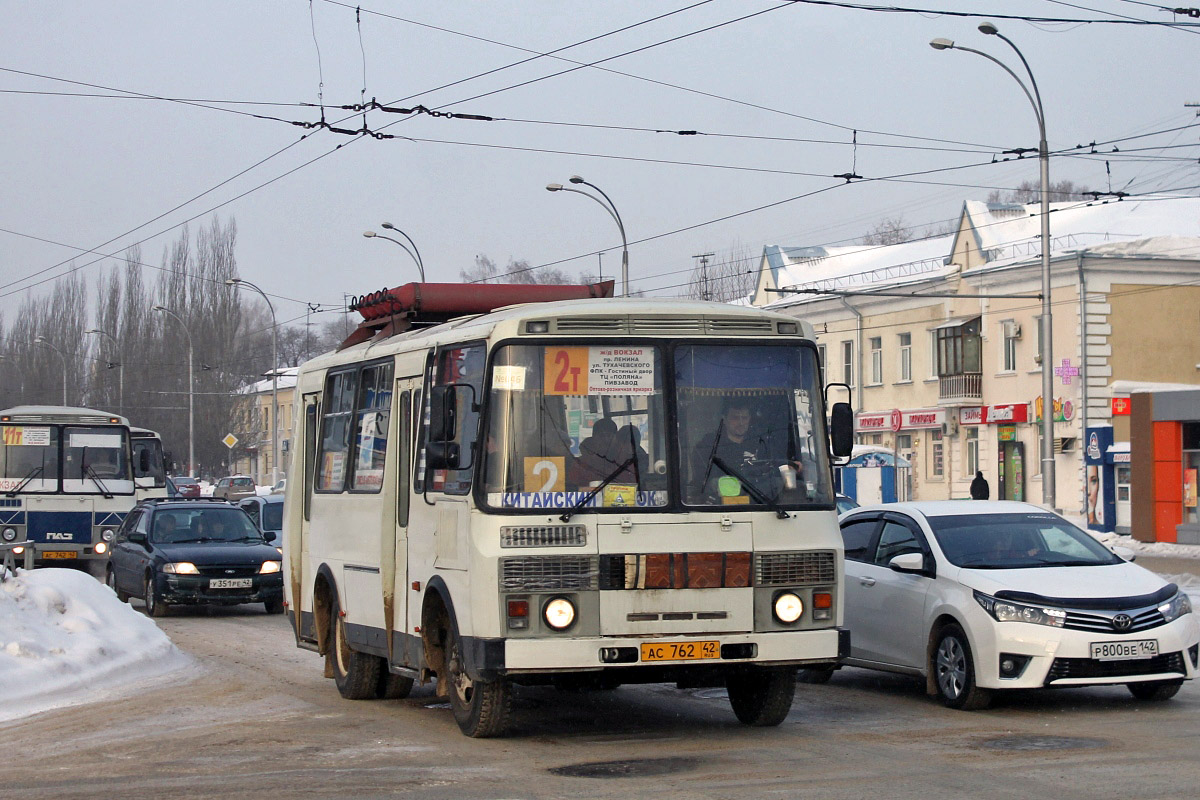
[194, 552]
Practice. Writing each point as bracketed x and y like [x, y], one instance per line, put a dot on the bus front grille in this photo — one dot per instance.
[543, 536]
[795, 569]
[548, 573]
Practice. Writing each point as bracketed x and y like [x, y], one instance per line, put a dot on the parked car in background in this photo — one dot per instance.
[267, 513]
[193, 552]
[981, 596]
[844, 503]
[186, 486]
[280, 486]
[234, 487]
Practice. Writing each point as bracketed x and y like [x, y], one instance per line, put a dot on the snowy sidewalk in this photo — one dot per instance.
[65, 639]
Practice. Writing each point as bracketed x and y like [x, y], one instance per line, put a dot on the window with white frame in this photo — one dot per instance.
[821, 357]
[848, 363]
[971, 439]
[1010, 331]
[876, 359]
[905, 357]
[936, 454]
[933, 350]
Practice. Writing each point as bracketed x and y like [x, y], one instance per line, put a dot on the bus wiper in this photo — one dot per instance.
[566, 515]
[751, 489]
[99, 483]
[33, 473]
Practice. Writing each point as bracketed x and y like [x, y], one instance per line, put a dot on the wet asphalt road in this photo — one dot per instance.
[254, 718]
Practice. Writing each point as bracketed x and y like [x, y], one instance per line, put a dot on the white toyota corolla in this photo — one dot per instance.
[978, 596]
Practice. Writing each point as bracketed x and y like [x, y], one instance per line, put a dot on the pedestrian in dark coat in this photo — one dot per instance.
[979, 487]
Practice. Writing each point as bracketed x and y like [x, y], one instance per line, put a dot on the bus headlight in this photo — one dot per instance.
[269, 566]
[101, 548]
[181, 568]
[788, 607]
[107, 534]
[559, 613]
[9, 534]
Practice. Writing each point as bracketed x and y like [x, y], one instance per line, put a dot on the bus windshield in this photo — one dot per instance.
[29, 458]
[751, 426]
[95, 460]
[581, 425]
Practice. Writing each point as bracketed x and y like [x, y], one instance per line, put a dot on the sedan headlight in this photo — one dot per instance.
[1006, 611]
[181, 568]
[1176, 607]
[10, 534]
[269, 566]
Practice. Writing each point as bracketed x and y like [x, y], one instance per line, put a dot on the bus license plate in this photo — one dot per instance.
[230, 583]
[680, 651]
[59, 554]
[1124, 651]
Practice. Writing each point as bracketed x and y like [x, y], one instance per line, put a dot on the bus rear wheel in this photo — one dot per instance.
[762, 697]
[481, 708]
[355, 674]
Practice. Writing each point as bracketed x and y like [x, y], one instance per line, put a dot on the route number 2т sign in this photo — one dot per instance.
[598, 370]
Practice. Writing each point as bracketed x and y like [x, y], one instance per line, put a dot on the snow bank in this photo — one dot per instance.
[65, 639]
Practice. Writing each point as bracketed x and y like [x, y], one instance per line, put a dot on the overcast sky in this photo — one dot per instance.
[80, 171]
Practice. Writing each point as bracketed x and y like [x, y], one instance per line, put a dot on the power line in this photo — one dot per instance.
[941, 12]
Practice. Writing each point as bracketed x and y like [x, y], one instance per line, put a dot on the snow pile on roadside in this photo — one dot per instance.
[1163, 549]
[65, 639]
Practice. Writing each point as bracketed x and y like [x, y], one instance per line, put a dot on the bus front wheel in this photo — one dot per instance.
[481, 708]
[355, 674]
[762, 697]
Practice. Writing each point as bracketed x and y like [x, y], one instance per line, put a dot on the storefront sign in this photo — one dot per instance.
[1064, 410]
[1122, 458]
[895, 420]
[1120, 406]
[980, 415]
[1065, 371]
[1006, 433]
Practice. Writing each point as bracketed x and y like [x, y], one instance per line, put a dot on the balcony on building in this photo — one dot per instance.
[959, 362]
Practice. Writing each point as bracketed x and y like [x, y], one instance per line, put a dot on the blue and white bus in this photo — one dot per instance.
[66, 482]
[149, 464]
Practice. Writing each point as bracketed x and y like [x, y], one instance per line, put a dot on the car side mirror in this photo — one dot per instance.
[841, 430]
[908, 562]
[269, 535]
[138, 537]
[1124, 553]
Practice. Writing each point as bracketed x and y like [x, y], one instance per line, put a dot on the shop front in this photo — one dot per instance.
[1010, 450]
[1164, 438]
[877, 476]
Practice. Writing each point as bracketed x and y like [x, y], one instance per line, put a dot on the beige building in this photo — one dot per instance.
[950, 373]
[252, 426]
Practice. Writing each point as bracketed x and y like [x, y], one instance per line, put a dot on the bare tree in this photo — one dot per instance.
[891, 230]
[1031, 192]
[725, 276]
[487, 271]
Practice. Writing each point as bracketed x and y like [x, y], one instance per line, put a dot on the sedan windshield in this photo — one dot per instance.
[206, 525]
[579, 426]
[1017, 541]
[751, 426]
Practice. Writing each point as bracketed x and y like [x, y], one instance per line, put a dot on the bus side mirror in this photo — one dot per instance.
[169, 462]
[443, 414]
[443, 455]
[841, 430]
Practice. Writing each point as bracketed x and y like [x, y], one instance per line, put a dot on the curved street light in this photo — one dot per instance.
[608, 205]
[1035, 99]
[120, 368]
[274, 376]
[412, 253]
[191, 390]
[45, 341]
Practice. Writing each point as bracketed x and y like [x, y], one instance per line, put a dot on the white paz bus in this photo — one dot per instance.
[66, 482]
[576, 491]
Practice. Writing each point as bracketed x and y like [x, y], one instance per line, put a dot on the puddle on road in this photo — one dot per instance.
[1036, 743]
[628, 768]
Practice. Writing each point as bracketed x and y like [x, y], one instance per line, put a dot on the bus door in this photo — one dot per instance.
[402, 649]
[301, 570]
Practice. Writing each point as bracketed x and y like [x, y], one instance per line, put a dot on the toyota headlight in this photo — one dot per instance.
[10, 534]
[269, 566]
[1006, 611]
[181, 568]
[1176, 607]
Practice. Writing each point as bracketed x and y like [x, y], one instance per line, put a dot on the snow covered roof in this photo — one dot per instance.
[286, 380]
[1145, 387]
[856, 265]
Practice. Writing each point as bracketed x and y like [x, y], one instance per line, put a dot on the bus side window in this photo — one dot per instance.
[402, 458]
[310, 452]
[336, 423]
[461, 366]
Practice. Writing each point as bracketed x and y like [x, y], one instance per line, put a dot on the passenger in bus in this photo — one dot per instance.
[597, 453]
[626, 443]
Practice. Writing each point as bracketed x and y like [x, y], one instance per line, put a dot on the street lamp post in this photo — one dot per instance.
[1035, 99]
[274, 377]
[414, 253]
[43, 340]
[191, 390]
[611, 208]
[120, 369]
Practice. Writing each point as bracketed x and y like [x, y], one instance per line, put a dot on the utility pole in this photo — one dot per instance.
[705, 294]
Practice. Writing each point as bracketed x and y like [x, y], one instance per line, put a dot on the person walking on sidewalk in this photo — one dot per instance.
[979, 487]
